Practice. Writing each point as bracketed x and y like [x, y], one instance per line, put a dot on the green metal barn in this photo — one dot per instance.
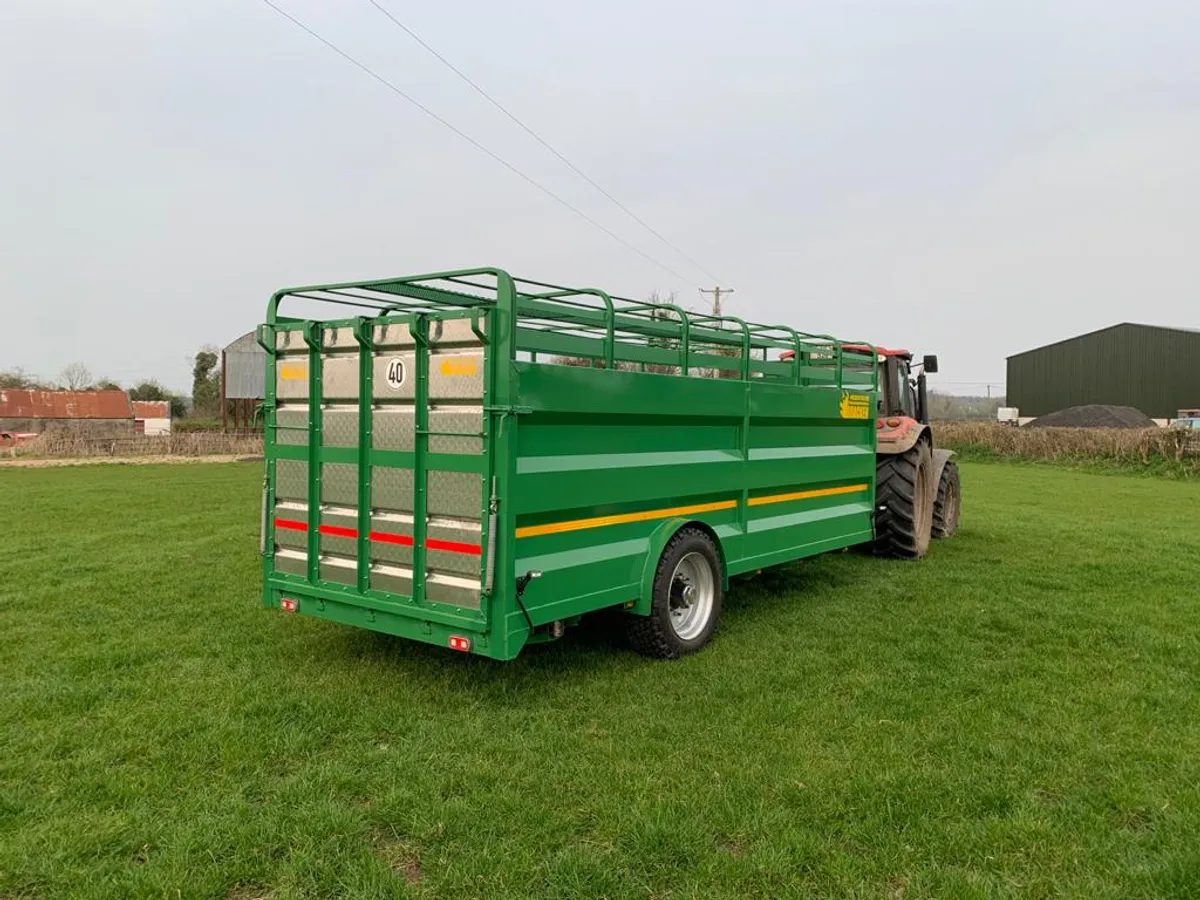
[1154, 369]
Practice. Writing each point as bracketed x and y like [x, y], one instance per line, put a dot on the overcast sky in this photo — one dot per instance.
[971, 178]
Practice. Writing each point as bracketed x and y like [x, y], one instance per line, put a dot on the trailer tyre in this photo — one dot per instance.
[948, 504]
[904, 495]
[686, 601]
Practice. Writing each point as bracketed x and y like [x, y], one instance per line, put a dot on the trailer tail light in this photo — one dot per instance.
[287, 604]
[460, 643]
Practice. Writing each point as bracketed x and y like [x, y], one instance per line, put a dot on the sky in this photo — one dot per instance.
[960, 177]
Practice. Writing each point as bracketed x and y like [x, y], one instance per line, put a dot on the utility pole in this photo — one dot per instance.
[716, 293]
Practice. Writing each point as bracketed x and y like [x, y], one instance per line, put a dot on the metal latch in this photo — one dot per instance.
[262, 536]
[490, 571]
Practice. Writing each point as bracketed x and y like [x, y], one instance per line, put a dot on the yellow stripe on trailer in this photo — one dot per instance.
[805, 495]
[651, 514]
[623, 519]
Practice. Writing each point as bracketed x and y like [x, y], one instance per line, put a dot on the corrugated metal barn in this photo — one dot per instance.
[89, 414]
[245, 369]
[243, 381]
[1154, 369]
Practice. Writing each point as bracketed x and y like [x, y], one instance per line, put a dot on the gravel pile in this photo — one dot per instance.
[1094, 416]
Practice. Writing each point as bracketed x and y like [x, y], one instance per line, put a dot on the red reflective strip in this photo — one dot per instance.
[405, 540]
[384, 537]
[454, 547]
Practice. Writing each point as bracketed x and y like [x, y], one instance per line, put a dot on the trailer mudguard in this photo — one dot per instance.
[654, 550]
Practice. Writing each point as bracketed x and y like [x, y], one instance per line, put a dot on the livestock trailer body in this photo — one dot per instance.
[475, 461]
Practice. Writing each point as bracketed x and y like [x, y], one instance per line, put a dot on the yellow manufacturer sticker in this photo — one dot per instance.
[460, 366]
[293, 371]
[855, 406]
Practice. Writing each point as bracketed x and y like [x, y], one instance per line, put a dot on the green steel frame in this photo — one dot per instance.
[774, 457]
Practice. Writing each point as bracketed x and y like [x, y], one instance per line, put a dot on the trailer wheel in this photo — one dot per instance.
[948, 504]
[687, 598]
[904, 496]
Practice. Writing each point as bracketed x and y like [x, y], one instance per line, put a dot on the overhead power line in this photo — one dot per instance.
[537, 137]
[470, 140]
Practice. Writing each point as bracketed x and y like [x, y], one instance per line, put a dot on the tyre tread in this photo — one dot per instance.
[940, 527]
[896, 529]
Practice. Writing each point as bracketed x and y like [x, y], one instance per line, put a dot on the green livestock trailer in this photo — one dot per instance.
[475, 460]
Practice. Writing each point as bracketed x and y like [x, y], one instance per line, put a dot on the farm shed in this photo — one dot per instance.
[152, 417]
[1151, 368]
[243, 381]
[86, 414]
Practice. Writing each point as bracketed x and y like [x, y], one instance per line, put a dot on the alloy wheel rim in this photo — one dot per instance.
[693, 591]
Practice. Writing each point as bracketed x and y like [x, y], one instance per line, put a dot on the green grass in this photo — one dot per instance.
[1017, 716]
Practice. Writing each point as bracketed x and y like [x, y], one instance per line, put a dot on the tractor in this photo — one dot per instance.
[917, 491]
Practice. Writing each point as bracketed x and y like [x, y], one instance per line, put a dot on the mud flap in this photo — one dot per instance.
[940, 458]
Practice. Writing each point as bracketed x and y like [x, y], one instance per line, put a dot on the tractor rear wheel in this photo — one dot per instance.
[948, 503]
[904, 494]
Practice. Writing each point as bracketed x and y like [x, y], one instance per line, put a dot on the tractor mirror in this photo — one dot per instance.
[930, 365]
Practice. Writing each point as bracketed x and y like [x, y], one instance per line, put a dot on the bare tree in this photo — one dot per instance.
[76, 377]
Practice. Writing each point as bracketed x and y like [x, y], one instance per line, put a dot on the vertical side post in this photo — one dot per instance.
[685, 349]
[610, 331]
[366, 405]
[312, 337]
[744, 506]
[746, 350]
[420, 330]
[503, 462]
[744, 448]
[224, 417]
[484, 327]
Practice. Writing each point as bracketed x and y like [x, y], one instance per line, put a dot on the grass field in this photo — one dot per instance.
[1017, 716]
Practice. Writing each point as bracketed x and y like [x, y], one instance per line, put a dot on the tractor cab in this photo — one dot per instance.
[902, 413]
[902, 386]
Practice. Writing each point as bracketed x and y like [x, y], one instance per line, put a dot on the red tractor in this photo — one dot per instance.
[917, 491]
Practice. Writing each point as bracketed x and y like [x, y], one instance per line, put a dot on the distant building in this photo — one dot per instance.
[88, 414]
[243, 381]
[151, 417]
[1153, 369]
